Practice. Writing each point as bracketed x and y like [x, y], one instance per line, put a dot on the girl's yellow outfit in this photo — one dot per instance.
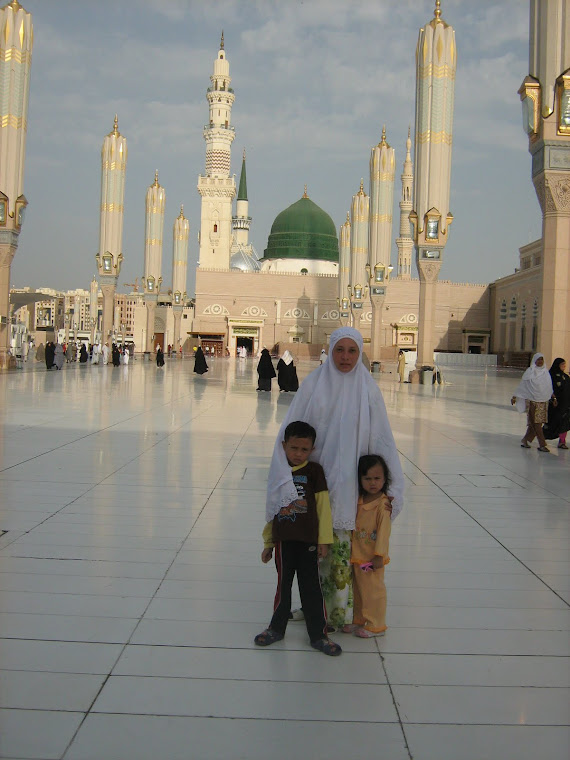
[370, 539]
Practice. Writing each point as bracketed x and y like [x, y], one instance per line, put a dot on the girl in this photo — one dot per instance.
[370, 548]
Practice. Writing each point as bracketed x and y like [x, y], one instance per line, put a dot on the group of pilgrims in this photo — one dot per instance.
[56, 354]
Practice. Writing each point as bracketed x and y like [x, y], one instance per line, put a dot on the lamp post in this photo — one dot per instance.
[66, 320]
[93, 324]
[357, 295]
[377, 283]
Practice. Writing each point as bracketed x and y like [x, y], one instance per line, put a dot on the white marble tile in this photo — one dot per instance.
[37, 734]
[35, 690]
[58, 656]
[150, 737]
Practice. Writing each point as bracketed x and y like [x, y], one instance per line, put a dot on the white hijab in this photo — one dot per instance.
[287, 357]
[348, 412]
[535, 384]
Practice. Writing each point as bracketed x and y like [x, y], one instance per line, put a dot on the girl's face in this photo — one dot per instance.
[540, 362]
[345, 354]
[373, 481]
[562, 366]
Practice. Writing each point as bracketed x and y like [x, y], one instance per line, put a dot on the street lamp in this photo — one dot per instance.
[378, 282]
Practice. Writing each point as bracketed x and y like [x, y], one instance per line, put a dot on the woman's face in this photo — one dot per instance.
[345, 355]
[562, 366]
[540, 362]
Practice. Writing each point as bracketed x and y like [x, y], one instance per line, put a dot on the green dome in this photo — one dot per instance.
[302, 231]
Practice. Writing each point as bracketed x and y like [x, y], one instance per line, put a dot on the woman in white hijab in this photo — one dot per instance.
[532, 395]
[344, 404]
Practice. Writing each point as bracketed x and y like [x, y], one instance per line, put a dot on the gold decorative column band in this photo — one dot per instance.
[436, 72]
[12, 54]
[381, 218]
[360, 249]
[9, 120]
[360, 218]
[382, 176]
[112, 207]
[115, 165]
[153, 241]
[434, 137]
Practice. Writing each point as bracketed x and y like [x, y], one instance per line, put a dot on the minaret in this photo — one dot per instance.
[110, 256]
[404, 242]
[155, 203]
[180, 235]
[436, 61]
[359, 220]
[241, 222]
[16, 41]
[545, 95]
[344, 270]
[382, 169]
[216, 187]
[93, 308]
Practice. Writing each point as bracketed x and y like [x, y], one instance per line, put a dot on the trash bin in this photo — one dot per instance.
[427, 377]
[375, 367]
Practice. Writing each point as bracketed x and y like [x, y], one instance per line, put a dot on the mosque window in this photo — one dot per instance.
[215, 227]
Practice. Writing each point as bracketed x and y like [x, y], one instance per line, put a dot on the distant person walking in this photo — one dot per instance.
[159, 356]
[265, 371]
[401, 365]
[116, 355]
[323, 356]
[83, 356]
[532, 395]
[200, 365]
[58, 357]
[50, 354]
[559, 415]
[105, 352]
[287, 374]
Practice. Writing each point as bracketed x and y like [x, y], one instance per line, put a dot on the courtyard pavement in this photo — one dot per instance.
[131, 585]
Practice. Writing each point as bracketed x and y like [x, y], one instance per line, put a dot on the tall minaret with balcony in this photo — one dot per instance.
[359, 221]
[110, 256]
[405, 242]
[436, 63]
[241, 222]
[180, 235]
[16, 41]
[344, 268]
[382, 170]
[216, 187]
[545, 95]
[155, 204]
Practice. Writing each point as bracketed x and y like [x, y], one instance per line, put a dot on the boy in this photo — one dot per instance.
[300, 534]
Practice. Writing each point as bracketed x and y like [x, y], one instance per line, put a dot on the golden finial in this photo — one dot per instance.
[181, 211]
[347, 218]
[222, 41]
[409, 131]
[437, 12]
[383, 140]
[116, 126]
[305, 193]
[361, 191]
[244, 154]
[156, 178]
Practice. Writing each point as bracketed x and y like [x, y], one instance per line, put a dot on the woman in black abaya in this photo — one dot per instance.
[287, 374]
[265, 371]
[200, 365]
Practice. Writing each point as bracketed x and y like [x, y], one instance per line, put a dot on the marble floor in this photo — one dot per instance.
[131, 510]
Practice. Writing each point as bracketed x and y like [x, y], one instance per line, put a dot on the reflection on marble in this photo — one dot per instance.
[131, 587]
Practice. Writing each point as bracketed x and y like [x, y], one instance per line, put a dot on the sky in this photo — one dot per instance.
[314, 80]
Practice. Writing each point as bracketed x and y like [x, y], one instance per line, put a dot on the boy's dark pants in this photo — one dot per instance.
[302, 558]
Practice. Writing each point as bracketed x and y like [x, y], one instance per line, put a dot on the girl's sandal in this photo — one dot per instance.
[267, 637]
[349, 628]
[326, 646]
[362, 633]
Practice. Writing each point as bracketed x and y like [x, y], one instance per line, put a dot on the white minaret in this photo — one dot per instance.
[545, 95]
[216, 187]
[155, 203]
[405, 242]
[382, 170]
[16, 41]
[110, 256]
[344, 259]
[180, 235]
[436, 62]
[359, 220]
